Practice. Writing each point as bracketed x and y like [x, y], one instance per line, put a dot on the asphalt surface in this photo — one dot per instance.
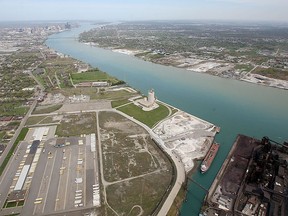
[48, 183]
[54, 179]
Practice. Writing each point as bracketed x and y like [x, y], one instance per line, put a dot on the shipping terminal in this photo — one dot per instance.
[253, 180]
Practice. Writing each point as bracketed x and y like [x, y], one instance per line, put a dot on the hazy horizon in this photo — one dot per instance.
[129, 10]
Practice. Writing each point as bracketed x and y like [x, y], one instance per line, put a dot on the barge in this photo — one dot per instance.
[205, 165]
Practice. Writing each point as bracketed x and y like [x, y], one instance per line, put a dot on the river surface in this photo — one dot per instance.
[237, 107]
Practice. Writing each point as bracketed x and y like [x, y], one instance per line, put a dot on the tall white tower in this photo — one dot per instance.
[151, 97]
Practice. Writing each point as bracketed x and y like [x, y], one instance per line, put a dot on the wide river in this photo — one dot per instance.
[237, 107]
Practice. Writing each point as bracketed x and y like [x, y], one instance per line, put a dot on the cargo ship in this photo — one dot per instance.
[209, 157]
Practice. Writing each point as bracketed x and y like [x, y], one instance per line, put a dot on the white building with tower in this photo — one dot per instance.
[148, 103]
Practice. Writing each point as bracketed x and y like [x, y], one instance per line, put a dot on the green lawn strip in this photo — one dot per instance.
[49, 109]
[19, 138]
[119, 102]
[244, 67]
[34, 120]
[21, 203]
[11, 205]
[92, 75]
[2, 134]
[150, 118]
[12, 214]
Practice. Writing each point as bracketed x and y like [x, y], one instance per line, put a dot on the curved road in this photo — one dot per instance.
[180, 171]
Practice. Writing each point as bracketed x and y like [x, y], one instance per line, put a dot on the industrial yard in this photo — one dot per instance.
[188, 137]
[252, 180]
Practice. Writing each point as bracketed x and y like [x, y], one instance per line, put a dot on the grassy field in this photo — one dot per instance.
[75, 125]
[93, 75]
[128, 151]
[119, 102]
[2, 134]
[48, 109]
[13, 108]
[60, 68]
[149, 118]
[145, 191]
[244, 67]
[272, 73]
[19, 138]
[33, 120]
[95, 95]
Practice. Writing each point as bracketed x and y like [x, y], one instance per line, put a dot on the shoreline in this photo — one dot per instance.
[208, 65]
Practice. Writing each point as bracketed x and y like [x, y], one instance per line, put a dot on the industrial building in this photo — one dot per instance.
[148, 103]
[252, 181]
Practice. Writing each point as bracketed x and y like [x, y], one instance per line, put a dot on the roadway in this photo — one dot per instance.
[180, 171]
[17, 132]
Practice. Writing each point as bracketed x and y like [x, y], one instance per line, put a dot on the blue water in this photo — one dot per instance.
[237, 107]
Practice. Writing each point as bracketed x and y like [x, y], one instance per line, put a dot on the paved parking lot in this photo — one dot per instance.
[63, 179]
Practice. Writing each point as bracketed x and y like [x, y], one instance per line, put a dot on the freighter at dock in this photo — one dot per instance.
[209, 157]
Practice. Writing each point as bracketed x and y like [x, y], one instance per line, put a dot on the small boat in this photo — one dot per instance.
[209, 157]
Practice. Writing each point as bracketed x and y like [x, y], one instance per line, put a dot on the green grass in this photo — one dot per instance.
[19, 138]
[155, 56]
[92, 75]
[119, 102]
[14, 123]
[33, 120]
[142, 54]
[2, 134]
[75, 125]
[12, 214]
[92, 92]
[11, 205]
[50, 109]
[146, 192]
[244, 67]
[177, 203]
[150, 118]
[13, 108]
[272, 73]
[21, 110]
[21, 203]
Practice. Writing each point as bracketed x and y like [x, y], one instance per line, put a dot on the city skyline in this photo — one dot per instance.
[239, 10]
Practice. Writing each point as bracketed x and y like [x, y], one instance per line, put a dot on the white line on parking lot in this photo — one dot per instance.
[85, 177]
[68, 171]
[48, 185]
[38, 195]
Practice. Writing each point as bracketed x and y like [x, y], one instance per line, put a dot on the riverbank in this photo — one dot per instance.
[201, 48]
[238, 107]
[212, 67]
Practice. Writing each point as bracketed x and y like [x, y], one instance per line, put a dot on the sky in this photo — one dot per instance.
[108, 10]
